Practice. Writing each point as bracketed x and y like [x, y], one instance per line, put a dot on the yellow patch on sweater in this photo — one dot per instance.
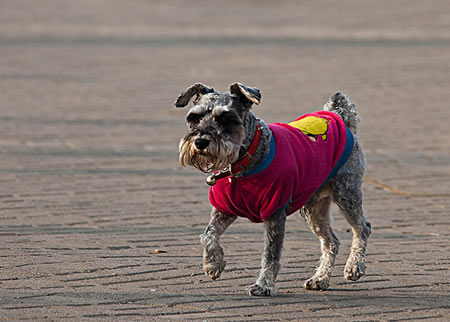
[312, 126]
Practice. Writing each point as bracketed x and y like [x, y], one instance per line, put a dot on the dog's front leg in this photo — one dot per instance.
[213, 257]
[270, 264]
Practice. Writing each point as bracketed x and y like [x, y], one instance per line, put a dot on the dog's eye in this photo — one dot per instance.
[193, 118]
[228, 118]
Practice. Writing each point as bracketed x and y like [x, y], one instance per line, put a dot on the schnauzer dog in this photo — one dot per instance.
[267, 172]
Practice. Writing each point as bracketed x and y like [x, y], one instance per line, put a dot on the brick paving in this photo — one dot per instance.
[91, 186]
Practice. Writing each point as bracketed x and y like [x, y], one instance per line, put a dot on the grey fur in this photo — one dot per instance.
[348, 195]
[317, 215]
[213, 256]
[341, 104]
[274, 229]
[263, 148]
[228, 139]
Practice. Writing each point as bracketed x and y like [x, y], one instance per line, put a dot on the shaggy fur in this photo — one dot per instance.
[221, 128]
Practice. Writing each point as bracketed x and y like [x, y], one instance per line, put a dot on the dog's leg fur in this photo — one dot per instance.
[270, 264]
[213, 256]
[317, 214]
[347, 191]
[347, 188]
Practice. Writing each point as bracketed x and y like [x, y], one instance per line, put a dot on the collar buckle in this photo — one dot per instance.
[238, 166]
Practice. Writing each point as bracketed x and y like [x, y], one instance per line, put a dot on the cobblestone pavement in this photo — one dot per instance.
[90, 181]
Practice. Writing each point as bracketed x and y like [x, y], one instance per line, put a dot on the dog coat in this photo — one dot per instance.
[303, 156]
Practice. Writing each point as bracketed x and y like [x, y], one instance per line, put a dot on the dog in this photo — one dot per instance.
[267, 172]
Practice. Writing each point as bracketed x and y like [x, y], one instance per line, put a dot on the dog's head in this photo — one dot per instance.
[216, 125]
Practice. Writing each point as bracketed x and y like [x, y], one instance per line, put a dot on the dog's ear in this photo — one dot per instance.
[197, 89]
[248, 95]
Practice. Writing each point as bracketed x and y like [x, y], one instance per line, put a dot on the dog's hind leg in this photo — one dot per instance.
[213, 256]
[348, 195]
[270, 264]
[317, 215]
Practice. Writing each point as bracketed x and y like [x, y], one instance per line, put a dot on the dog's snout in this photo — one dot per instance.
[201, 144]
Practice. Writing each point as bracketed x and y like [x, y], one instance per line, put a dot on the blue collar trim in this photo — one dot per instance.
[267, 160]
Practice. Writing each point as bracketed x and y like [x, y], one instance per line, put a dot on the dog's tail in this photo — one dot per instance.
[341, 104]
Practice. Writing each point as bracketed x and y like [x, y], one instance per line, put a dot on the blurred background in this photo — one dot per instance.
[89, 140]
[116, 60]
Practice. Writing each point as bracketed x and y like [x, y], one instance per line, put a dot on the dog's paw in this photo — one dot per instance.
[260, 290]
[214, 269]
[213, 258]
[354, 270]
[317, 283]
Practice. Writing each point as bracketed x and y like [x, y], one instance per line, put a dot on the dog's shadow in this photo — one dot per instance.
[364, 298]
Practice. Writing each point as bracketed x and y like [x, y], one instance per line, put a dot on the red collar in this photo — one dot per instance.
[238, 166]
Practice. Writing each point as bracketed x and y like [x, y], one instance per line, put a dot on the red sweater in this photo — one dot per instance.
[302, 156]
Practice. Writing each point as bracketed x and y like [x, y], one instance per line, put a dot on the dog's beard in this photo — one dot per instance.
[215, 157]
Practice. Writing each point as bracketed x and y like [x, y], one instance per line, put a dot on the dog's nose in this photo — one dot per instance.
[201, 144]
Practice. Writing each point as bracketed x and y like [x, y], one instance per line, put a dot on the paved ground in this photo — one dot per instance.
[91, 186]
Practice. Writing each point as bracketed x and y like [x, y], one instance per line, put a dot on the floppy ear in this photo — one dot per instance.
[248, 95]
[197, 89]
